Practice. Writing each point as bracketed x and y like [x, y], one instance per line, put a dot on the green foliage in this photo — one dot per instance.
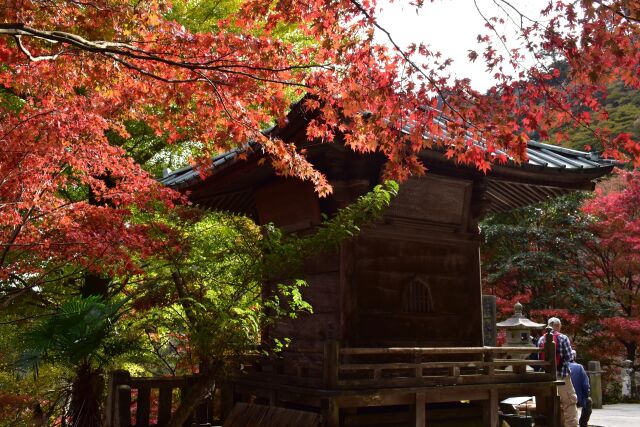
[204, 297]
[154, 152]
[80, 331]
[557, 258]
[9, 101]
[199, 300]
[532, 254]
[202, 15]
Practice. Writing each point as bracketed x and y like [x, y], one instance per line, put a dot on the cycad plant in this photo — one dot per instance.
[82, 336]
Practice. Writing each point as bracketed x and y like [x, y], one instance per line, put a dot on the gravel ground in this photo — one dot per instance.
[618, 415]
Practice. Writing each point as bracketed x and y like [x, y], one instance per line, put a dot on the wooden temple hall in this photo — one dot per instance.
[396, 337]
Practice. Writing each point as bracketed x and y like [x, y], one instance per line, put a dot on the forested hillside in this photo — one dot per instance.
[623, 107]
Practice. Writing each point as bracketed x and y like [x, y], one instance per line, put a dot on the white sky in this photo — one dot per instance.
[452, 27]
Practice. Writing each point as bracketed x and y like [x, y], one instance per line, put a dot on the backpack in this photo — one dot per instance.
[555, 341]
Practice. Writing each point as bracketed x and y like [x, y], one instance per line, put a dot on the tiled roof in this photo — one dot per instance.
[186, 176]
[540, 155]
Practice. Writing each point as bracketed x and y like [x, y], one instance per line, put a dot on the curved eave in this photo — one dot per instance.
[511, 188]
[572, 178]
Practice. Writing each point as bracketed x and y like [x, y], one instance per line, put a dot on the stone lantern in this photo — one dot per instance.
[519, 328]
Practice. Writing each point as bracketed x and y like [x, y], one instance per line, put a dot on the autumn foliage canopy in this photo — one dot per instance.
[90, 90]
[75, 75]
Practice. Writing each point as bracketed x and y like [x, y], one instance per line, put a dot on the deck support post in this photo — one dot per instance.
[420, 410]
[490, 409]
[330, 412]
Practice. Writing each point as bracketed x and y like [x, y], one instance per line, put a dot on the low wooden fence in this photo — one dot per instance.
[147, 402]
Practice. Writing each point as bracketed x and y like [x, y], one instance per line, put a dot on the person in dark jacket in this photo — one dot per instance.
[580, 381]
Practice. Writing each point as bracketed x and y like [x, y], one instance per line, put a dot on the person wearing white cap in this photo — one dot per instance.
[568, 398]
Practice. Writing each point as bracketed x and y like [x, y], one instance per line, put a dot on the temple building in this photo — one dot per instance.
[396, 337]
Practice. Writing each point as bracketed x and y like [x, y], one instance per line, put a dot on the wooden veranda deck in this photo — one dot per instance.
[339, 382]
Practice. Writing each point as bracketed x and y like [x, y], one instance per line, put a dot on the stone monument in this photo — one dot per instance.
[489, 333]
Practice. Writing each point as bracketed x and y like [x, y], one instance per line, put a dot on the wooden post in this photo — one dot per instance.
[330, 413]
[552, 369]
[556, 421]
[331, 363]
[123, 406]
[542, 405]
[488, 369]
[143, 406]
[550, 354]
[164, 406]
[420, 415]
[490, 409]
[117, 378]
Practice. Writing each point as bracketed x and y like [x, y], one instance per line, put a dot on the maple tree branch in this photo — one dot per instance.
[14, 235]
[493, 29]
[115, 50]
[618, 12]
[156, 350]
[32, 58]
[415, 66]
[26, 217]
[522, 15]
[264, 79]
[150, 74]
[35, 316]
[22, 122]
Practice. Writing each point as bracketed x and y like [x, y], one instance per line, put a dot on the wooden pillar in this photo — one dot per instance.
[273, 398]
[556, 421]
[542, 405]
[183, 394]
[553, 410]
[420, 410]
[550, 354]
[143, 408]
[548, 405]
[123, 406]
[331, 363]
[164, 405]
[489, 369]
[490, 409]
[330, 412]
[117, 378]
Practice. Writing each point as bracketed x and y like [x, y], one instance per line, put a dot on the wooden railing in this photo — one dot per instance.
[143, 402]
[146, 402]
[343, 368]
[397, 367]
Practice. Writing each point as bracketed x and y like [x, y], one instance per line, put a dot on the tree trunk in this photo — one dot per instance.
[86, 397]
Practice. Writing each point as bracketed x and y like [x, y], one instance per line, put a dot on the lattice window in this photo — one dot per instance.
[416, 296]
